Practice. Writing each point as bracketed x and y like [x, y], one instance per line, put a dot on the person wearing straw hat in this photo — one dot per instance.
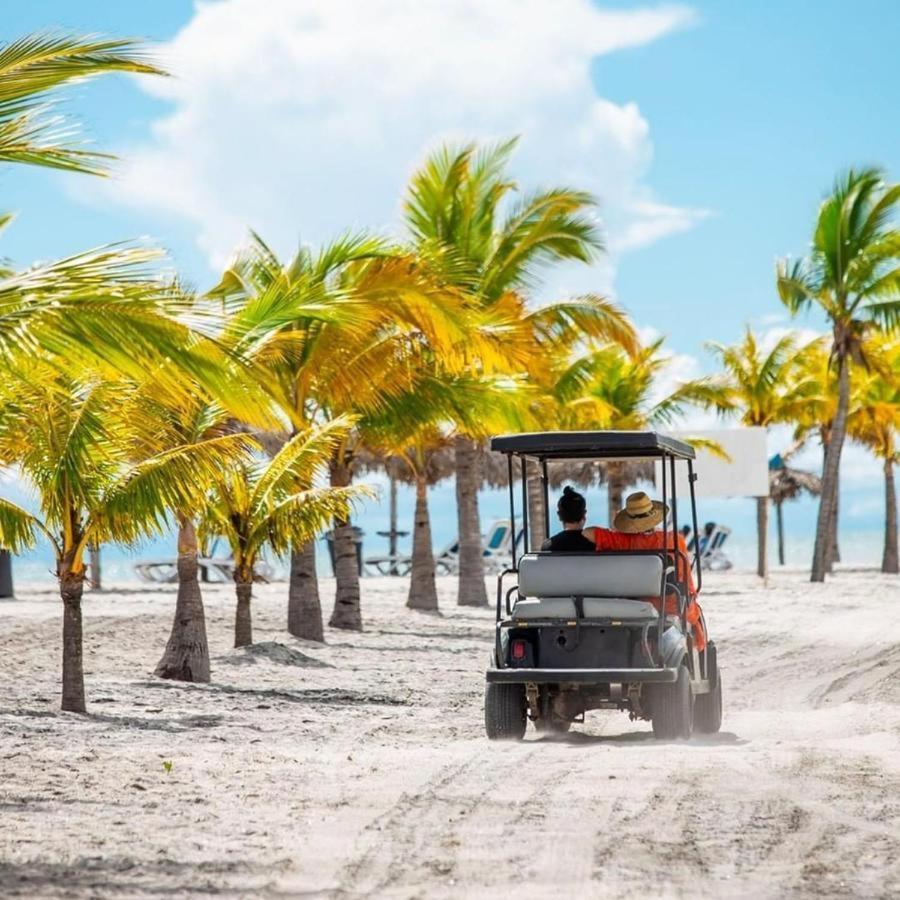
[636, 527]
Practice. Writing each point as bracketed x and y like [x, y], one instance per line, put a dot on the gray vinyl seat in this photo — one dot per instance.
[612, 586]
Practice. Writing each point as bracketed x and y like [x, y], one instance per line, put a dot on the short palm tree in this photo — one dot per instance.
[273, 503]
[79, 457]
[853, 275]
[762, 388]
[874, 421]
[338, 330]
[459, 213]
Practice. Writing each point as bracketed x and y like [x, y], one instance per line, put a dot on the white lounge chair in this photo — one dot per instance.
[217, 569]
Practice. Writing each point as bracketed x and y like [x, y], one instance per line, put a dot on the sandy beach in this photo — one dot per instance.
[360, 768]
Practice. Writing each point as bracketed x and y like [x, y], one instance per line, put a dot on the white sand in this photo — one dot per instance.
[360, 768]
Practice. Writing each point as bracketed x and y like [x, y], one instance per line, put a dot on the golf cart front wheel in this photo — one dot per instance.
[671, 708]
[505, 712]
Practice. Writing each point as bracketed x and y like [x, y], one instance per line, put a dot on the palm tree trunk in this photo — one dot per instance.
[779, 519]
[471, 591]
[615, 488]
[422, 587]
[186, 657]
[834, 550]
[243, 623]
[304, 604]
[71, 587]
[536, 530]
[889, 561]
[762, 536]
[830, 471]
[94, 566]
[346, 613]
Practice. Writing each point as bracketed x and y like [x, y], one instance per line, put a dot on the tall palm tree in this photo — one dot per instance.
[817, 419]
[270, 503]
[763, 388]
[33, 68]
[459, 203]
[78, 455]
[875, 422]
[853, 275]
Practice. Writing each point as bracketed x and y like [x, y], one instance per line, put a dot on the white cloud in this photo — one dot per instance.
[305, 117]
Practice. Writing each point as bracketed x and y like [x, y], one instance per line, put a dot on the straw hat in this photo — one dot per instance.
[640, 514]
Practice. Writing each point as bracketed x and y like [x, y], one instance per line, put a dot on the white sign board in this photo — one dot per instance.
[744, 474]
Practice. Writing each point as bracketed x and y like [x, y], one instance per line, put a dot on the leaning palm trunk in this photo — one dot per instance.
[71, 587]
[471, 554]
[94, 566]
[186, 657]
[304, 605]
[422, 587]
[830, 471]
[889, 561]
[762, 536]
[537, 531]
[243, 623]
[346, 613]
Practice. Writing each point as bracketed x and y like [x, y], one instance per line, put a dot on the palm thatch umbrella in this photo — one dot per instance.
[786, 483]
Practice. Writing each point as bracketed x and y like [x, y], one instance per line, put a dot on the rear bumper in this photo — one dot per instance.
[582, 676]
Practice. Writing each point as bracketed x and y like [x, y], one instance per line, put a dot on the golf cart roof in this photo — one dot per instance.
[591, 444]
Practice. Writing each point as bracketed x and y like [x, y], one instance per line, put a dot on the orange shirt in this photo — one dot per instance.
[605, 539]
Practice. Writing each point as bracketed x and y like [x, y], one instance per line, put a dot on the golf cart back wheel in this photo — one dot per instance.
[708, 709]
[671, 708]
[505, 712]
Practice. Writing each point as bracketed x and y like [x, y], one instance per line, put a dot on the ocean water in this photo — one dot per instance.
[861, 535]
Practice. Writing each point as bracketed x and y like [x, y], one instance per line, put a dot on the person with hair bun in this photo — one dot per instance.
[572, 512]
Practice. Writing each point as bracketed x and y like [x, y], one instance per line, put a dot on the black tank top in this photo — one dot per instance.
[568, 542]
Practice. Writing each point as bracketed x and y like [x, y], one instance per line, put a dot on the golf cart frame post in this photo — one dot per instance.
[610, 445]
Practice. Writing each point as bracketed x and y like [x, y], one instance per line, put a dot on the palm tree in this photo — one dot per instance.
[270, 503]
[78, 455]
[32, 70]
[853, 275]
[339, 330]
[875, 422]
[786, 483]
[764, 388]
[457, 213]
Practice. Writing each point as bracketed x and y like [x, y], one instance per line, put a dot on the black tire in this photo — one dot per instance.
[708, 709]
[671, 708]
[505, 712]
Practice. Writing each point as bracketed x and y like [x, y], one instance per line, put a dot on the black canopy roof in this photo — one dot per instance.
[586, 444]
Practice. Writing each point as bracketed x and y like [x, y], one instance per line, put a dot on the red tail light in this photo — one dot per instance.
[518, 650]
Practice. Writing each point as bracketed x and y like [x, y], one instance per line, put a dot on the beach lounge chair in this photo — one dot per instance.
[497, 550]
[712, 557]
[217, 569]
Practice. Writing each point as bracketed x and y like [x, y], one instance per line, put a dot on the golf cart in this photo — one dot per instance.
[582, 631]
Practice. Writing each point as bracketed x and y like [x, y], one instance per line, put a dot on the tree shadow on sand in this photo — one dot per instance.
[95, 876]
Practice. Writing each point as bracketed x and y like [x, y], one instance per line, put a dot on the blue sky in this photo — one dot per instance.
[709, 130]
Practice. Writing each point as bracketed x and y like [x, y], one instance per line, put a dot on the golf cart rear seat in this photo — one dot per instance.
[610, 585]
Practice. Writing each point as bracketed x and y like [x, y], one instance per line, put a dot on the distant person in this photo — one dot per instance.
[636, 527]
[572, 512]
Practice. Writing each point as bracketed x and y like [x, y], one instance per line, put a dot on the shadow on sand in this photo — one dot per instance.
[581, 739]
